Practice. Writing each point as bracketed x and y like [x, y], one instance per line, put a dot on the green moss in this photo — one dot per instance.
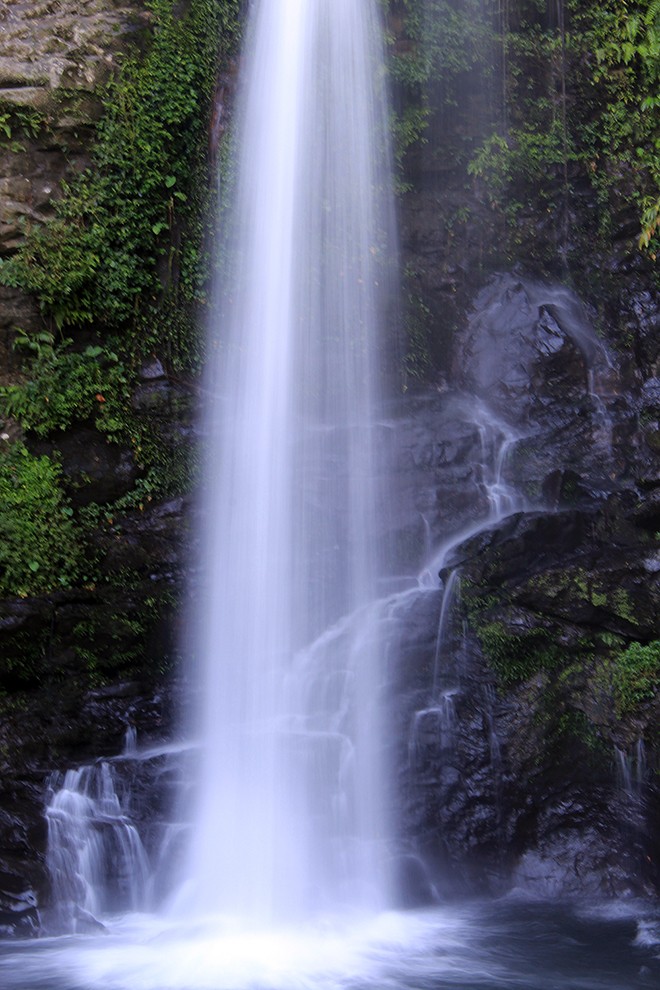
[517, 656]
[623, 606]
[583, 586]
[574, 725]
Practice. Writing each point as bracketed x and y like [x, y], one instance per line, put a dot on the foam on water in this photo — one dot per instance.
[503, 945]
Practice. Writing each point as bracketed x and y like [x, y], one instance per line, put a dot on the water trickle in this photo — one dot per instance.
[289, 794]
[499, 494]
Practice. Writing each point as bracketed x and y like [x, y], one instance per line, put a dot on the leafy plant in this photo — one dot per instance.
[437, 49]
[68, 386]
[39, 549]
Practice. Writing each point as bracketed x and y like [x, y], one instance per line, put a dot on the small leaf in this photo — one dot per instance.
[170, 180]
[34, 566]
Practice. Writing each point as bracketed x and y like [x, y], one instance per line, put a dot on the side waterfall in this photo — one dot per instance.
[289, 815]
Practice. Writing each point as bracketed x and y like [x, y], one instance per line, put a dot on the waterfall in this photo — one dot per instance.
[289, 815]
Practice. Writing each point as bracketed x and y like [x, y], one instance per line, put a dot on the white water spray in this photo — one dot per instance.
[288, 818]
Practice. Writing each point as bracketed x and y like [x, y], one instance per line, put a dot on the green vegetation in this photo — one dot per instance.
[119, 273]
[544, 101]
[128, 232]
[39, 549]
[440, 51]
[576, 584]
[581, 92]
[635, 676]
[517, 656]
[66, 386]
[112, 642]
[620, 676]
[17, 122]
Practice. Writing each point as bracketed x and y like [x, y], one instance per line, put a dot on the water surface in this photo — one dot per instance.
[481, 946]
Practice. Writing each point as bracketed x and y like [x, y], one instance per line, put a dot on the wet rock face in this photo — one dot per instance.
[509, 731]
[54, 58]
[18, 907]
[530, 352]
[526, 346]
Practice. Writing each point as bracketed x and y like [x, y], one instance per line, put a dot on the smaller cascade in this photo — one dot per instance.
[436, 723]
[498, 496]
[603, 423]
[96, 858]
[436, 736]
[631, 771]
[497, 442]
[441, 674]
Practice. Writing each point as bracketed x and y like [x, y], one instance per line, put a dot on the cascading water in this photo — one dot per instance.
[291, 501]
[96, 858]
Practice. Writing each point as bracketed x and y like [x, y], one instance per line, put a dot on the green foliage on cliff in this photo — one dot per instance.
[636, 676]
[39, 548]
[581, 87]
[547, 107]
[128, 232]
[119, 273]
[437, 50]
[67, 386]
